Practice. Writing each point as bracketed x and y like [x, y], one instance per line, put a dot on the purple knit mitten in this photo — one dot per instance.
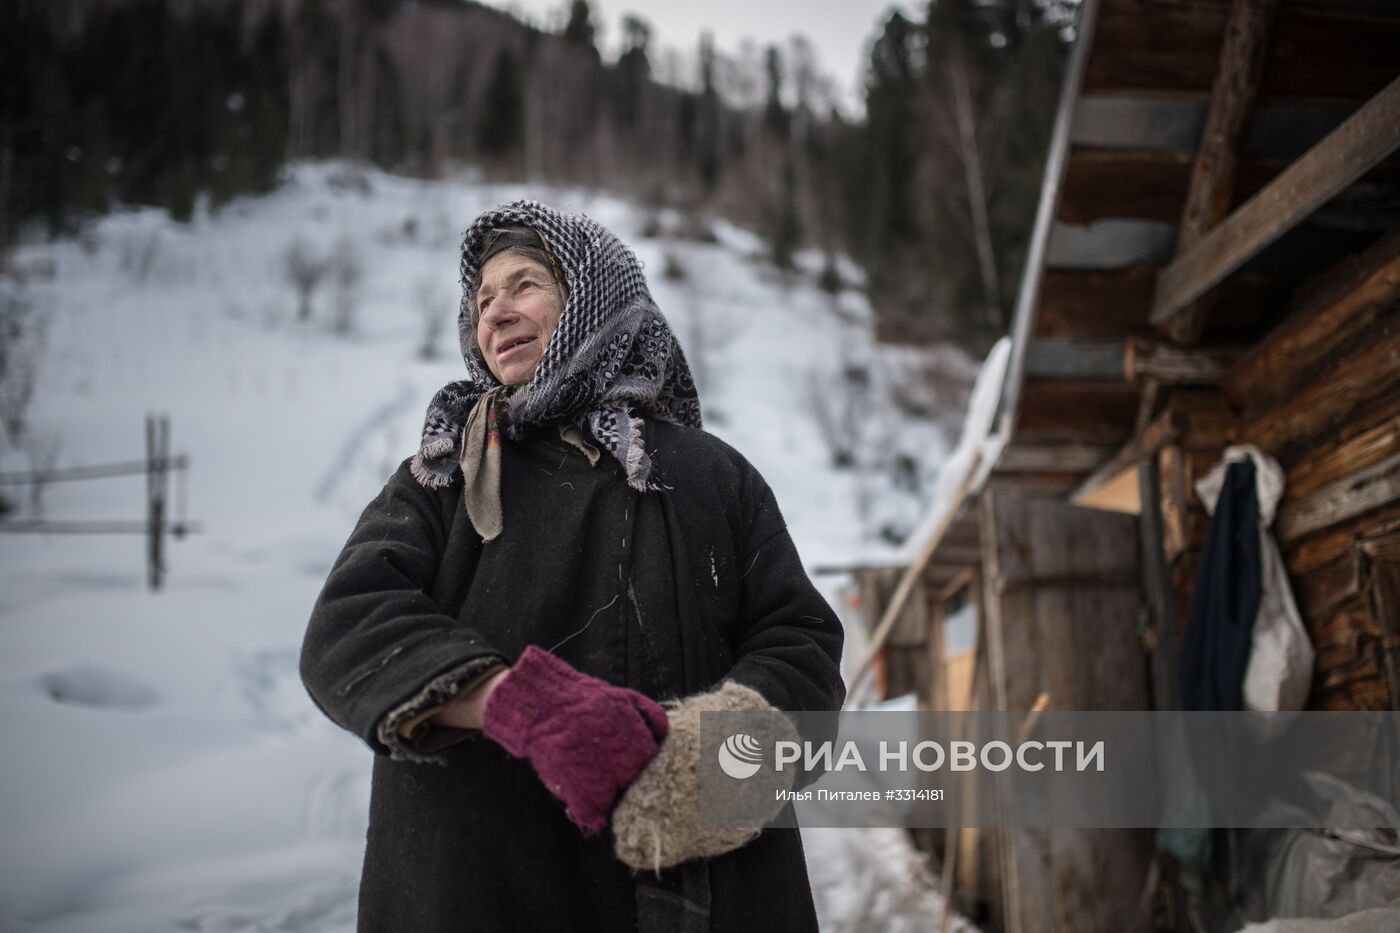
[586, 739]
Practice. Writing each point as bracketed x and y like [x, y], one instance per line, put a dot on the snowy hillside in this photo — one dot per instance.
[165, 770]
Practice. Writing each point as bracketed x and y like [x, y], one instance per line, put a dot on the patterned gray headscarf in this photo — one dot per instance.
[612, 361]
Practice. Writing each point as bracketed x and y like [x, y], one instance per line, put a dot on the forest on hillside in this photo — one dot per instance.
[931, 190]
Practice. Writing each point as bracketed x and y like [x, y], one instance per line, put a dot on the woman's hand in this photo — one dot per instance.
[467, 710]
[586, 739]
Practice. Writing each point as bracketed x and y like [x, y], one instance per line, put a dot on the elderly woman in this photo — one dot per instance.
[526, 621]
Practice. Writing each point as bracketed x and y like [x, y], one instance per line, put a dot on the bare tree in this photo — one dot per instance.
[304, 270]
[971, 160]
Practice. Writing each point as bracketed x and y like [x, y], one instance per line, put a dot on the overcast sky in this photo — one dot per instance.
[839, 30]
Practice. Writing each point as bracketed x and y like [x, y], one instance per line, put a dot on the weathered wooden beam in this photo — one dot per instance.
[1212, 182]
[1307, 555]
[1076, 411]
[1328, 465]
[1383, 552]
[1115, 303]
[1335, 307]
[1151, 184]
[1169, 365]
[1138, 184]
[1157, 591]
[1367, 489]
[1364, 379]
[1368, 136]
[1166, 428]
[1148, 48]
[1052, 458]
[1194, 418]
[1095, 302]
[1045, 485]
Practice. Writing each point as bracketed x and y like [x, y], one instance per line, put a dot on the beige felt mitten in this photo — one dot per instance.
[657, 821]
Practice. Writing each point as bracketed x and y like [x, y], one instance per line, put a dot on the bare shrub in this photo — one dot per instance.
[20, 342]
[932, 388]
[710, 328]
[837, 403]
[697, 228]
[433, 313]
[304, 271]
[345, 278]
[43, 450]
[16, 392]
[672, 268]
[138, 256]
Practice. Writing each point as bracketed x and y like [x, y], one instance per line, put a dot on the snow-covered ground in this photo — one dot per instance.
[164, 769]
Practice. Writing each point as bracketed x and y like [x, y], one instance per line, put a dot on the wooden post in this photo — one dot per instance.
[157, 471]
[1344, 155]
[1157, 585]
[1213, 173]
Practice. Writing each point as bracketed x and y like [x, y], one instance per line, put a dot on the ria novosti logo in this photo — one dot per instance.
[740, 756]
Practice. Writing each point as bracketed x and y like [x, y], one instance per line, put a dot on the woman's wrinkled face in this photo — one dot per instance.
[517, 310]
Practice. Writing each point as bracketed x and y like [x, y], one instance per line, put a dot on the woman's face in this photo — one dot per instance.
[517, 310]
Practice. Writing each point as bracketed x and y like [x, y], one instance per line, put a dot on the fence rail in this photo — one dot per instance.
[157, 467]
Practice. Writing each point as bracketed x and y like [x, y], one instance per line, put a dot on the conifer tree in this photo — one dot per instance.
[500, 130]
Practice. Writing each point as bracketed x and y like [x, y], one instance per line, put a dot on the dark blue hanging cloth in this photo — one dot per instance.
[1220, 631]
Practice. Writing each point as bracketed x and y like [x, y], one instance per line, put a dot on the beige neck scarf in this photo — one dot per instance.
[481, 460]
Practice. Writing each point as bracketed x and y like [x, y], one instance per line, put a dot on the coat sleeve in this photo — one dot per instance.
[788, 640]
[378, 651]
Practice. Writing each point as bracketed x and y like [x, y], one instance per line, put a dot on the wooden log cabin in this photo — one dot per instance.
[1215, 260]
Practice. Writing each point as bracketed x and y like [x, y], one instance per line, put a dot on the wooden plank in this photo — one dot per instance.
[1164, 430]
[1114, 303]
[1120, 494]
[1332, 309]
[1196, 419]
[1320, 591]
[1068, 640]
[1157, 591]
[1349, 670]
[1052, 458]
[1361, 379]
[1149, 48]
[1367, 489]
[1095, 302]
[1178, 501]
[1135, 184]
[1212, 183]
[1169, 365]
[1308, 554]
[1324, 466]
[1076, 411]
[1368, 136]
[1151, 184]
[1384, 554]
[1044, 485]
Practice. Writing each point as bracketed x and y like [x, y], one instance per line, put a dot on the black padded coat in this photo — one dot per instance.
[665, 592]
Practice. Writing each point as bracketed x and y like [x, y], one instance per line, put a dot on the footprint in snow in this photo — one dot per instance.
[97, 688]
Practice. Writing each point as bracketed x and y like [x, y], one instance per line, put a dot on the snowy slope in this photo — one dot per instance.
[165, 770]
